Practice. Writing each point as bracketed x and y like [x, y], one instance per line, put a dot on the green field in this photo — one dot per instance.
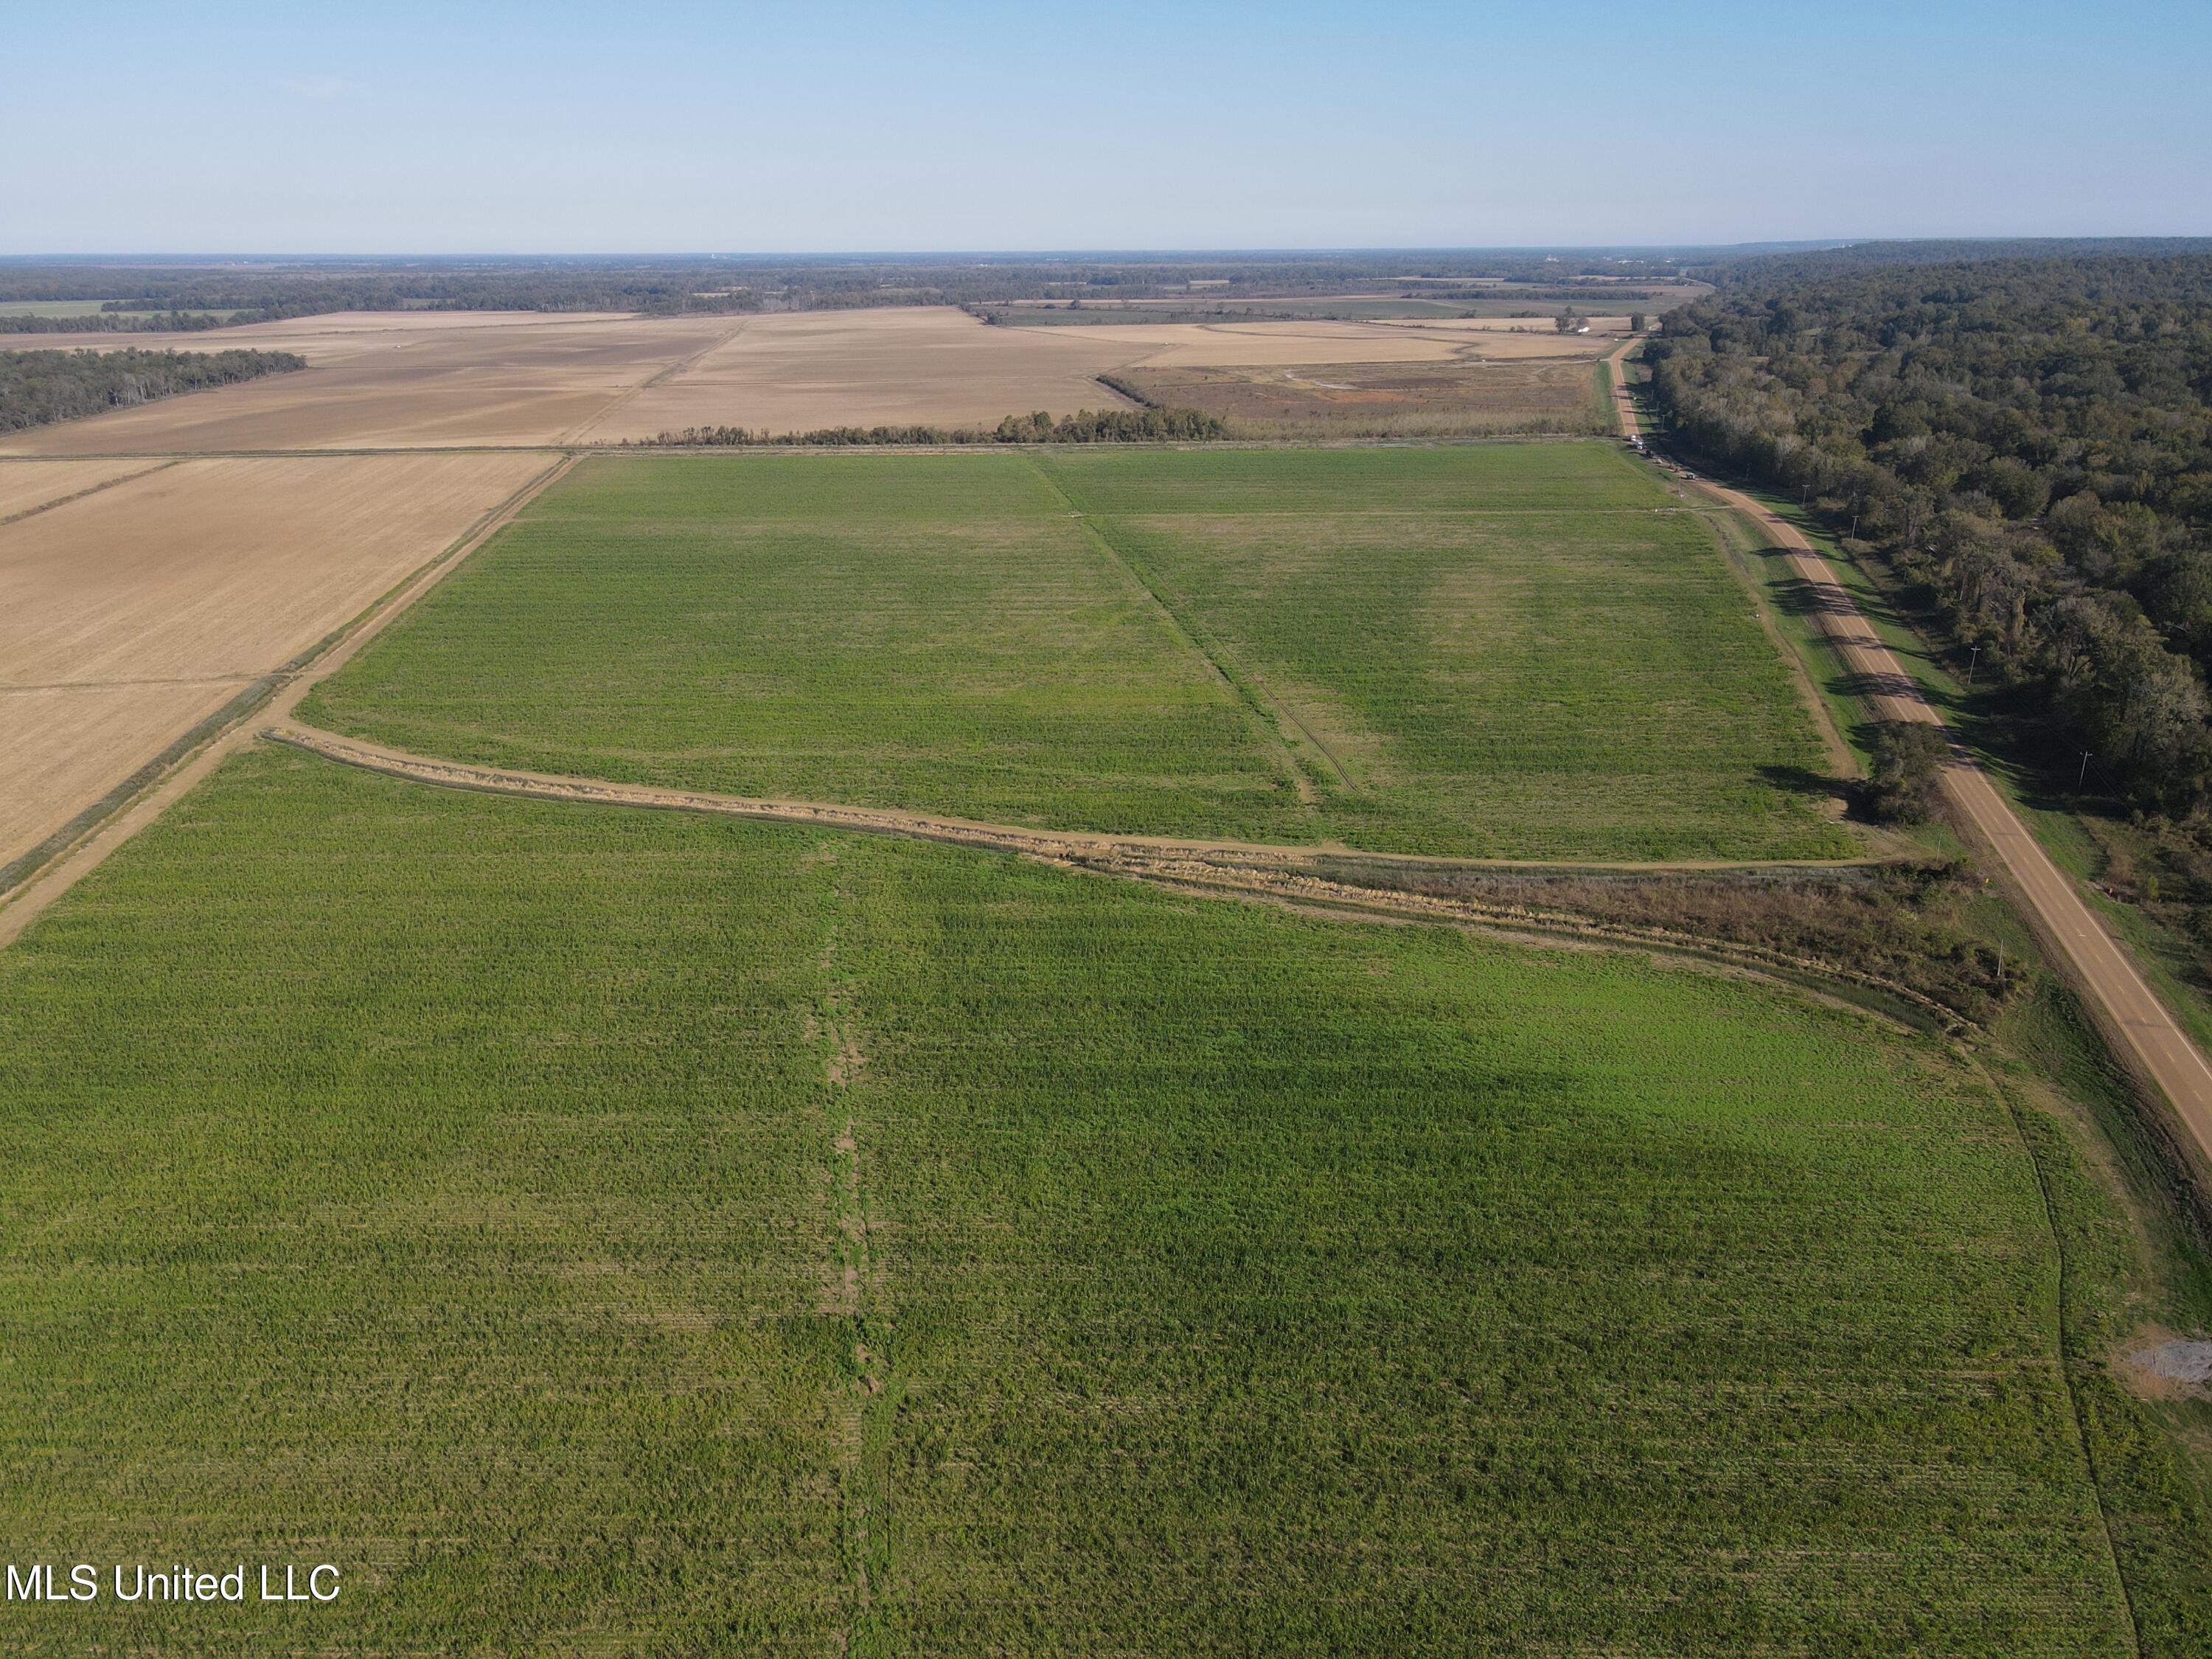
[464, 1190]
[1501, 650]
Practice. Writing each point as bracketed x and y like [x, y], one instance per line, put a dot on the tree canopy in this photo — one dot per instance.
[2031, 438]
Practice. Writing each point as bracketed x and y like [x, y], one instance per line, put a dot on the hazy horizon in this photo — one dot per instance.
[559, 130]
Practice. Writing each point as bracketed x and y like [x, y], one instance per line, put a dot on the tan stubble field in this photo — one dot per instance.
[129, 615]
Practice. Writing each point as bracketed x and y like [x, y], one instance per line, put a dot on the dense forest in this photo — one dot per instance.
[2029, 439]
[1104, 426]
[37, 387]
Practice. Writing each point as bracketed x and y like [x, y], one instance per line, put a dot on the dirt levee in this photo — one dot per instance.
[128, 615]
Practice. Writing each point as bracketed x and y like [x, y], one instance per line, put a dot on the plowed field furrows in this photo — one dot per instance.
[377, 382]
[925, 365]
[28, 486]
[128, 615]
[389, 379]
[1178, 345]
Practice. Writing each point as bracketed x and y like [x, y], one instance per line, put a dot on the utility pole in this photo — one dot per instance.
[1971, 662]
[2084, 774]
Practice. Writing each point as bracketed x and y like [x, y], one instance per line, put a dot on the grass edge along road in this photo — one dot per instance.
[2132, 1016]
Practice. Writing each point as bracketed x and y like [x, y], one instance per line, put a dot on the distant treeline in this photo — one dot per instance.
[1104, 426]
[39, 388]
[118, 322]
[153, 294]
[171, 294]
[1767, 271]
[2030, 439]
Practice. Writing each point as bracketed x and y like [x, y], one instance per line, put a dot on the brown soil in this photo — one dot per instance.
[29, 487]
[385, 381]
[129, 614]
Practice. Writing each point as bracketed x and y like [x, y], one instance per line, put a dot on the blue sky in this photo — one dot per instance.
[397, 127]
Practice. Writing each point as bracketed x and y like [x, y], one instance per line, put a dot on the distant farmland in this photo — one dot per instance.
[596, 1228]
[1392, 400]
[1501, 651]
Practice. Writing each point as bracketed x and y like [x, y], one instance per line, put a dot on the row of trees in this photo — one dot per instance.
[1103, 425]
[2031, 439]
[38, 387]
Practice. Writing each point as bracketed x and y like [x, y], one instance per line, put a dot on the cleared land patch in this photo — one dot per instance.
[1467, 648]
[129, 614]
[692, 1215]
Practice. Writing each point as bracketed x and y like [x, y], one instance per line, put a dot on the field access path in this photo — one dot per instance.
[1331, 877]
[2133, 1019]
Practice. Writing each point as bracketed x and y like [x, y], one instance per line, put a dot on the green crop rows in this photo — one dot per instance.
[463, 1189]
[1508, 650]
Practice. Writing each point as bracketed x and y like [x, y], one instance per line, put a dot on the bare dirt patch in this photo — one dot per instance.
[129, 615]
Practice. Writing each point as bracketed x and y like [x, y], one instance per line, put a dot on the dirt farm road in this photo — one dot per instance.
[2133, 1019]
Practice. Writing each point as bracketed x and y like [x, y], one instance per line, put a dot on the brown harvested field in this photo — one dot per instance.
[393, 379]
[26, 486]
[1385, 399]
[932, 365]
[1257, 345]
[128, 616]
[400, 379]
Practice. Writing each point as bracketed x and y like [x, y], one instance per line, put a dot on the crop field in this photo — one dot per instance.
[398, 379]
[129, 614]
[389, 379]
[927, 365]
[619, 1230]
[28, 486]
[1488, 650]
[1395, 400]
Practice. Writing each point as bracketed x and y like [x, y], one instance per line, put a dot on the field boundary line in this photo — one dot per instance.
[939, 826]
[575, 433]
[1267, 711]
[1291, 874]
[28, 885]
[90, 489]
